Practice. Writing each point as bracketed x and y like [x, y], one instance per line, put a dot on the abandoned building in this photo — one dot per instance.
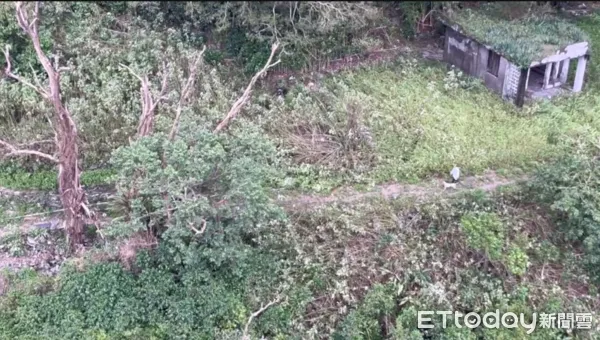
[515, 64]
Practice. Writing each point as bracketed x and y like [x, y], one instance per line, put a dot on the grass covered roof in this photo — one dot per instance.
[522, 39]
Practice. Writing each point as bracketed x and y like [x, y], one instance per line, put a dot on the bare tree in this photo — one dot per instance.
[186, 90]
[72, 196]
[149, 102]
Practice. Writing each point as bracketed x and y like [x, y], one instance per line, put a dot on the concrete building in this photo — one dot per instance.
[541, 73]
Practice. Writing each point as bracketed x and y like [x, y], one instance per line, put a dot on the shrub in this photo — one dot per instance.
[374, 313]
[570, 188]
[162, 300]
[485, 232]
[201, 181]
[516, 260]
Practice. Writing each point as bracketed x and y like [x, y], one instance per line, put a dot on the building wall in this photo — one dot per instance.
[512, 76]
[461, 52]
[471, 57]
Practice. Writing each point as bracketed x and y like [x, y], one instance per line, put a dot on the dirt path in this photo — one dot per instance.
[426, 48]
[422, 192]
[425, 191]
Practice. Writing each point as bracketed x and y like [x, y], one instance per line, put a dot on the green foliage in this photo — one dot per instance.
[570, 188]
[413, 135]
[327, 128]
[14, 177]
[488, 233]
[213, 57]
[485, 232]
[406, 325]
[23, 56]
[163, 300]
[456, 79]
[254, 55]
[210, 181]
[412, 11]
[591, 26]
[405, 121]
[308, 31]
[367, 320]
[407, 257]
[521, 40]
[516, 260]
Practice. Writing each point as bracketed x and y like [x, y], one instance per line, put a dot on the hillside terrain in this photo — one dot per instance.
[276, 170]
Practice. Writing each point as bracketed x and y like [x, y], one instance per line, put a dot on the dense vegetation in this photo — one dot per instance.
[195, 245]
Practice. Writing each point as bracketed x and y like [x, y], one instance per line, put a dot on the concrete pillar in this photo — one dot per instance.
[527, 79]
[547, 76]
[564, 72]
[581, 63]
[555, 67]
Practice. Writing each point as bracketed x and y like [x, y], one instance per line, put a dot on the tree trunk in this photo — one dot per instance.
[72, 195]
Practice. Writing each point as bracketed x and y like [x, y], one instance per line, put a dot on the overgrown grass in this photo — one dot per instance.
[591, 25]
[422, 128]
[426, 256]
[424, 120]
[421, 120]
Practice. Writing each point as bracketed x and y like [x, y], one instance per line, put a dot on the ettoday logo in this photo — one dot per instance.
[507, 320]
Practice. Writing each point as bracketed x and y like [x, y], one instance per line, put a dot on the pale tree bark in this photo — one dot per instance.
[146, 121]
[239, 104]
[71, 193]
[186, 90]
[246, 333]
[149, 102]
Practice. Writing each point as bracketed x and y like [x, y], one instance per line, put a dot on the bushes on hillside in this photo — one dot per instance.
[202, 191]
[161, 300]
[571, 189]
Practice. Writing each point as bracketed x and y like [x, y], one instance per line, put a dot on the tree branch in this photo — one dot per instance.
[185, 92]
[201, 231]
[246, 336]
[8, 72]
[16, 152]
[31, 29]
[37, 142]
[149, 103]
[237, 106]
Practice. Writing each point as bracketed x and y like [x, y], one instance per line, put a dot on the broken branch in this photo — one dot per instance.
[8, 72]
[37, 142]
[185, 92]
[15, 152]
[149, 103]
[237, 106]
[245, 336]
[201, 231]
